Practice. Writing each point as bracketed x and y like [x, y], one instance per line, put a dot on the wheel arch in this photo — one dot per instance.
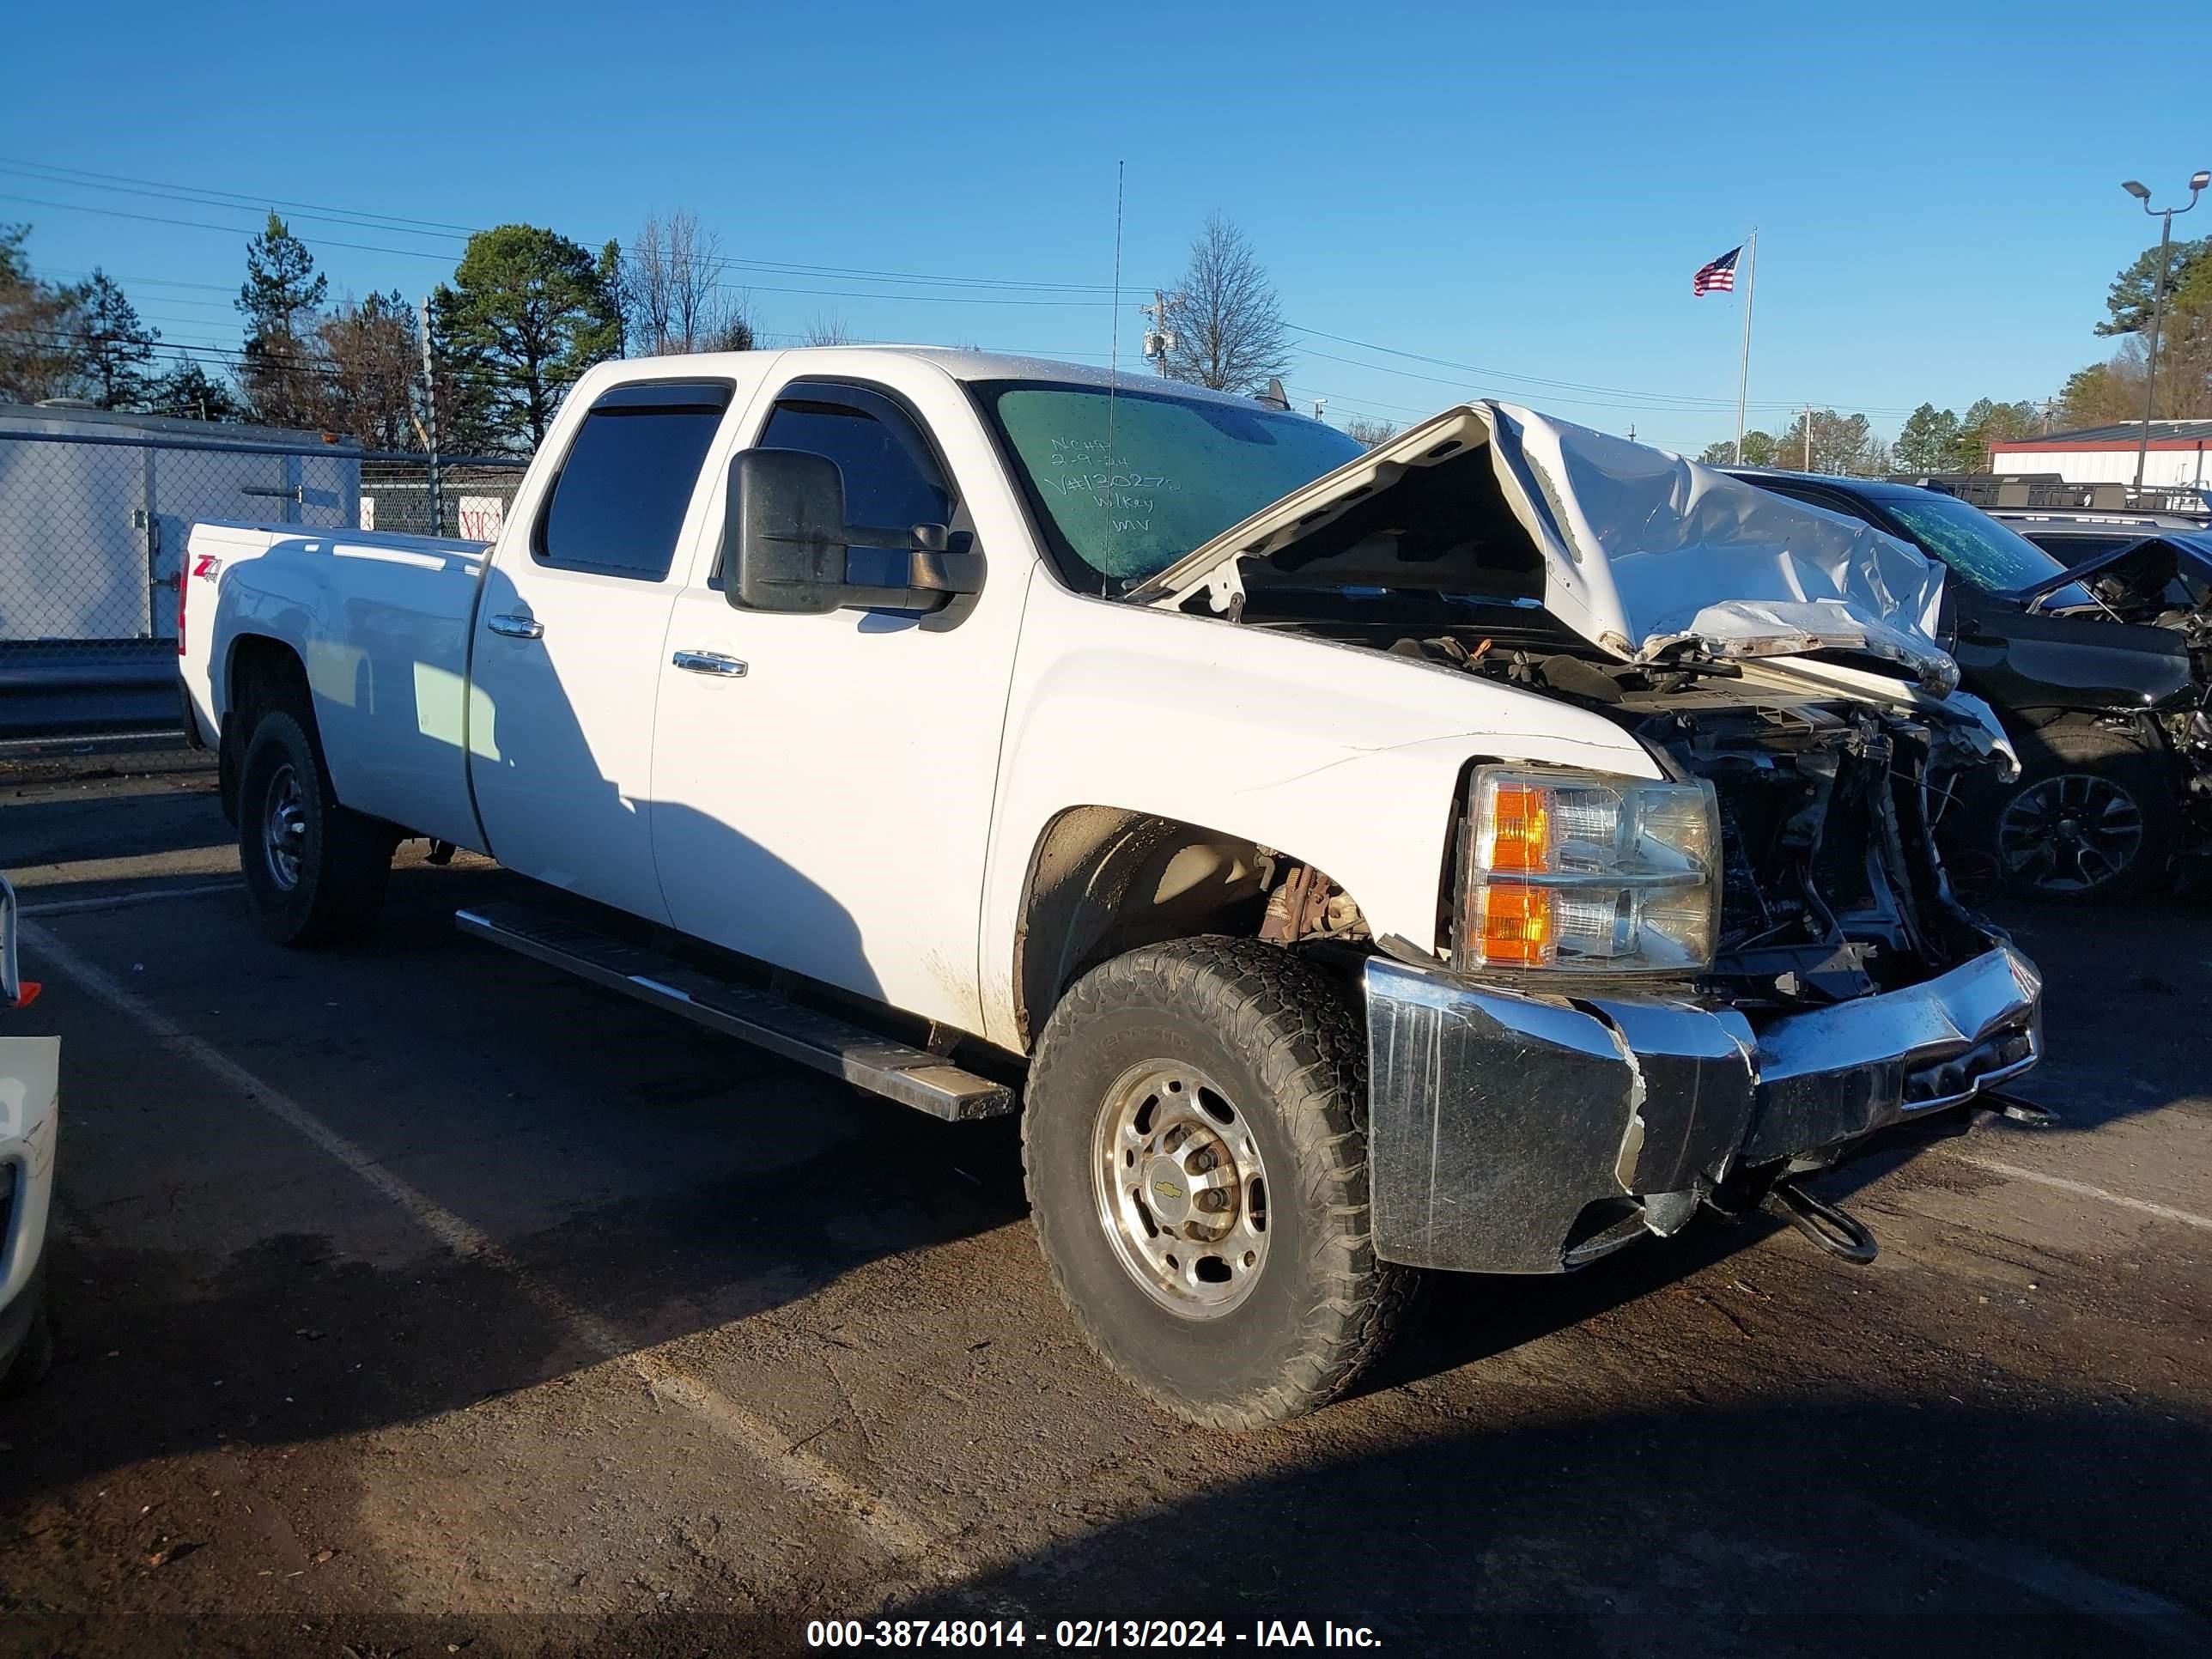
[1103, 880]
[260, 672]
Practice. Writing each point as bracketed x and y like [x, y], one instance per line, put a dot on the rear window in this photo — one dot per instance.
[618, 504]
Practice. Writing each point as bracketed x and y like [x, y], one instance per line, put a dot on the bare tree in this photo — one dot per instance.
[646, 304]
[829, 330]
[1362, 430]
[375, 358]
[673, 300]
[39, 323]
[733, 327]
[1225, 323]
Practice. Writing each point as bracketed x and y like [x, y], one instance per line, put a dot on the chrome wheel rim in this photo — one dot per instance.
[1181, 1189]
[2071, 833]
[283, 828]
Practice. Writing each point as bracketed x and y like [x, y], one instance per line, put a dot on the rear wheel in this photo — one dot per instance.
[1195, 1144]
[2092, 816]
[314, 872]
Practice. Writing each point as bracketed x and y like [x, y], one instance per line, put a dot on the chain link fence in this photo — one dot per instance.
[472, 496]
[95, 512]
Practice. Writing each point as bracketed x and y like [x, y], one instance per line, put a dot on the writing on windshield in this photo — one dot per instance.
[1129, 483]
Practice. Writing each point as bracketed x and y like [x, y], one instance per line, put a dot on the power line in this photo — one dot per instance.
[420, 253]
[1023, 292]
[113, 180]
[1687, 402]
[237, 202]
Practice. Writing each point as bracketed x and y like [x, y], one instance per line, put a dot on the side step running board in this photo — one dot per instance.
[912, 1076]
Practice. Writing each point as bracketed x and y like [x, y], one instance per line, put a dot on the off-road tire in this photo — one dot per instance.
[344, 859]
[1280, 1038]
[2113, 759]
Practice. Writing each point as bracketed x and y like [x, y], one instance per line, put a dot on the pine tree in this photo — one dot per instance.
[190, 393]
[282, 373]
[113, 347]
[528, 311]
[1928, 441]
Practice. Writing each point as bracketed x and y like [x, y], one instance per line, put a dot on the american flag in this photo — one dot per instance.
[1718, 277]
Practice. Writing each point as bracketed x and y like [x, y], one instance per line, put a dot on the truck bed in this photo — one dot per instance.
[382, 622]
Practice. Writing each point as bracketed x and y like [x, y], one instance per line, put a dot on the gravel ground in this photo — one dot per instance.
[414, 1299]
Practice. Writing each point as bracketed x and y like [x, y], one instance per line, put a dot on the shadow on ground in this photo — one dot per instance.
[1834, 1525]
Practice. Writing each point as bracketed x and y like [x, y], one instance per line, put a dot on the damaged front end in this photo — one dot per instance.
[1651, 993]
[1524, 1126]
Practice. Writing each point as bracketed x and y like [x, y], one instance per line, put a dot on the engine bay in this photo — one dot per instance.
[1832, 886]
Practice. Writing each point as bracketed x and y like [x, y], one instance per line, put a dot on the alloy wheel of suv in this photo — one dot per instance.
[2073, 832]
[2092, 816]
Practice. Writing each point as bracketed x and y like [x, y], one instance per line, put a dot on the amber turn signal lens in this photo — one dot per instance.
[1521, 829]
[1517, 927]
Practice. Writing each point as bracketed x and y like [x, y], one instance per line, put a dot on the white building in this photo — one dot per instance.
[2107, 454]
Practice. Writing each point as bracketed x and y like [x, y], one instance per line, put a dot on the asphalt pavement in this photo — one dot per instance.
[416, 1298]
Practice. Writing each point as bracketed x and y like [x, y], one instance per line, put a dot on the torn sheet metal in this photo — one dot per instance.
[1788, 628]
[1644, 551]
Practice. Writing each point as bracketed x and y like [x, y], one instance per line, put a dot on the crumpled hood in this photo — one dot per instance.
[1643, 552]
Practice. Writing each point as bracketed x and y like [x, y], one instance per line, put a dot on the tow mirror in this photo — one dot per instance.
[783, 537]
[786, 545]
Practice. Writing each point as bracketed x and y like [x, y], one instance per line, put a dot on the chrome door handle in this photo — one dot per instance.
[710, 662]
[517, 628]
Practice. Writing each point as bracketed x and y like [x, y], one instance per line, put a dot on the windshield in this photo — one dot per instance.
[1992, 556]
[1127, 484]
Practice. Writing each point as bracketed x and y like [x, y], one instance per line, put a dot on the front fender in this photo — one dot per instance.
[1347, 758]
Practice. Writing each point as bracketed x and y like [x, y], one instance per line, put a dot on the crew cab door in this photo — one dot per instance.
[822, 783]
[564, 664]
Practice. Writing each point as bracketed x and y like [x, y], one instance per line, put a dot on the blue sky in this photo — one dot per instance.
[1525, 189]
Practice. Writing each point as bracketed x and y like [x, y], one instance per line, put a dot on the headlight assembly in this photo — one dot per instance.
[1588, 873]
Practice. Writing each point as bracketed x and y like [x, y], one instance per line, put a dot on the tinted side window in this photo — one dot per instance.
[891, 479]
[2072, 550]
[618, 504]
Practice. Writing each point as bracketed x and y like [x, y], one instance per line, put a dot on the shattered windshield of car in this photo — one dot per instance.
[1992, 556]
[1128, 483]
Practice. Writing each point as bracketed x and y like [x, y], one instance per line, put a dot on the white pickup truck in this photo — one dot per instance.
[1477, 852]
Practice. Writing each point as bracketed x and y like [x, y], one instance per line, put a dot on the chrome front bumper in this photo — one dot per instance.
[1504, 1128]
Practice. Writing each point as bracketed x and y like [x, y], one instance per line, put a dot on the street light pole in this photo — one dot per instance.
[2165, 216]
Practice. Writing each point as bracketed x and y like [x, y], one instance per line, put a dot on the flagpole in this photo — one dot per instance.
[1743, 369]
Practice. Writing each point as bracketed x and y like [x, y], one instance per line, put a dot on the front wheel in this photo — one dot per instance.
[314, 872]
[1195, 1145]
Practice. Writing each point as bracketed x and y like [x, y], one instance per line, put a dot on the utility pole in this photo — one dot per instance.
[431, 410]
[1159, 340]
[2150, 361]
[1809, 437]
[1632, 432]
[2165, 216]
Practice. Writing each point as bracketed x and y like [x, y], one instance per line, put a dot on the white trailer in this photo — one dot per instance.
[94, 506]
